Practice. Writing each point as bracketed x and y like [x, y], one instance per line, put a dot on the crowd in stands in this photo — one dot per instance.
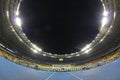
[61, 67]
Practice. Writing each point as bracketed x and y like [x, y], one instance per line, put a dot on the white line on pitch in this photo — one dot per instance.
[76, 76]
[50, 76]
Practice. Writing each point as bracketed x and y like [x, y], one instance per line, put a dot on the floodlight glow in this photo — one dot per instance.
[20, 40]
[17, 13]
[39, 49]
[18, 21]
[52, 56]
[114, 15]
[36, 47]
[13, 30]
[78, 55]
[34, 50]
[44, 55]
[18, 7]
[87, 51]
[101, 40]
[105, 13]
[86, 47]
[61, 59]
[2, 45]
[104, 21]
[7, 13]
[69, 56]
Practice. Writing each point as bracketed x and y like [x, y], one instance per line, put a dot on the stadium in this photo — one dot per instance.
[16, 47]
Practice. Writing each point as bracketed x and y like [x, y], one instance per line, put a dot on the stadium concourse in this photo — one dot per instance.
[16, 47]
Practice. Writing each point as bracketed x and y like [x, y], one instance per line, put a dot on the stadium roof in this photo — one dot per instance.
[16, 47]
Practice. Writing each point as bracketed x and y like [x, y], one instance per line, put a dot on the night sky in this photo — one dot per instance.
[61, 26]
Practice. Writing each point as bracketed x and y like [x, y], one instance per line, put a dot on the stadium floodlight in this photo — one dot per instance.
[34, 50]
[101, 40]
[114, 15]
[88, 50]
[20, 39]
[17, 10]
[13, 30]
[18, 21]
[17, 13]
[69, 56]
[7, 13]
[36, 47]
[104, 22]
[105, 13]
[44, 55]
[61, 59]
[86, 47]
[78, 55]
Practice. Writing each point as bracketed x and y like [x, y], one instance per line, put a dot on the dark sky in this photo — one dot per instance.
[61, 26]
